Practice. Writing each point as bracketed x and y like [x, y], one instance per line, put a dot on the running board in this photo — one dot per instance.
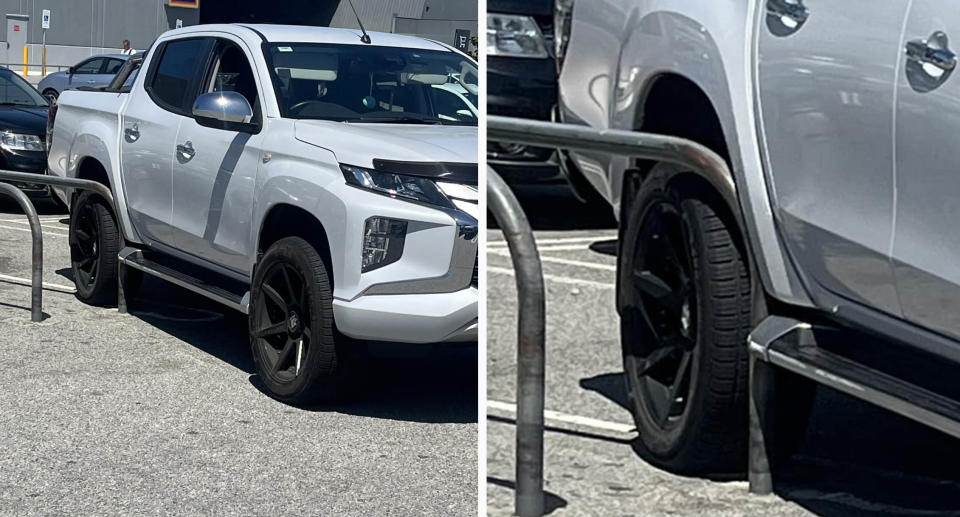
[792, 345]
[218, 292]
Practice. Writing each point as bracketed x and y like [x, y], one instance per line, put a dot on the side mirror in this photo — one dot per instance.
[223, 110]
[72, 70]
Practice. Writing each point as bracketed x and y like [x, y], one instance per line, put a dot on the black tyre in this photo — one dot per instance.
[51, 95]
[94, 245]
[685, 305]
[291, 324]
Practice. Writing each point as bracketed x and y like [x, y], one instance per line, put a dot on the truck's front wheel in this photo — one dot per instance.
[291, 324]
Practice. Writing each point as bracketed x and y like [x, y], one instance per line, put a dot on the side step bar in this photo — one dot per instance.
[792, 345]
[138, 259]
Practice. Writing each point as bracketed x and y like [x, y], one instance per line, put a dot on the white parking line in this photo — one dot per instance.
[557, 419]
[69, 289]
[564, 240]
[23, 220]
[567, 262]
[27, 230]
[555, 278]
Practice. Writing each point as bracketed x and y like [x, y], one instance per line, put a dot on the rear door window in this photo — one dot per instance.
[173, 82]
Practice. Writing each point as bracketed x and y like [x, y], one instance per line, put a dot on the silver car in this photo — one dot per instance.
[93, 72]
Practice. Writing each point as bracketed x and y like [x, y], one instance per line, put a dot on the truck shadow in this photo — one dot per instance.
[855, 459]
[396, 381]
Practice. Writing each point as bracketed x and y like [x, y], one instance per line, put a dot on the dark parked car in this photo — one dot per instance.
[521, 82]
[523, 40]
[23, 128]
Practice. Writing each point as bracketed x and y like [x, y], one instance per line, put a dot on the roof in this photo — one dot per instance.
[308, 34]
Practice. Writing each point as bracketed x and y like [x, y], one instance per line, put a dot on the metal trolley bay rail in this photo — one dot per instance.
[8, 180]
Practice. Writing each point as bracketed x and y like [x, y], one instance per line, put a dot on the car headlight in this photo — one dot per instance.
[413, 188]
[562, 23]
[19, 142]
[515, 36]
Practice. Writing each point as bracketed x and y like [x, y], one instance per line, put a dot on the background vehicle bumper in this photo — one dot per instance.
[410, 318]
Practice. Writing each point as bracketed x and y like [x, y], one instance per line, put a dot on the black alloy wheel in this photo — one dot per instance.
[664, 314]
[283, 327]
[94, 244]
[291, 324]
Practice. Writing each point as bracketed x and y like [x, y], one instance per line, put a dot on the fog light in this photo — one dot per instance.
[382, 242]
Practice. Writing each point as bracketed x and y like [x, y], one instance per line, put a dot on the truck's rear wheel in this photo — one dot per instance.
[685, 303]
[291, 324]
[94, 244]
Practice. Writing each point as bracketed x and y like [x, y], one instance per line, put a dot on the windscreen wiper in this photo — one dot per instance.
[398, 120]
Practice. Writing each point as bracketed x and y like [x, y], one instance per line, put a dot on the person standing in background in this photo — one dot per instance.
[127, 51]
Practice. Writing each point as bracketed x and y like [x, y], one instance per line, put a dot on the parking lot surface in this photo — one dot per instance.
[855, 459]
[158, 411]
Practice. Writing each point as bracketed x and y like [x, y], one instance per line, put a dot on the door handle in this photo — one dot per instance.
[795, 11]
[132, 134]
[186, 150]
[91, 81]
[933, 51]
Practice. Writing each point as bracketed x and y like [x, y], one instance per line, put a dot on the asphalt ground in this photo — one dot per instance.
[855, 459]
[159, 411]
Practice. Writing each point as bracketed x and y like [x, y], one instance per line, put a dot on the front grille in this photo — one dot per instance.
[476, 274]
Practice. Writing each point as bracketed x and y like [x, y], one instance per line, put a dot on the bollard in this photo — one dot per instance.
[530, 350]
[36, 298]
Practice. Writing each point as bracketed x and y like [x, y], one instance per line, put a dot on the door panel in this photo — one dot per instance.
[927, 239]
[827, 72]
[213, 194]
[146, 152]
[213, 186]
[86, 73]
[151, 120]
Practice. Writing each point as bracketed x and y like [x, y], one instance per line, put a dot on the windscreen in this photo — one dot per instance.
[18, 92]
[370, 84]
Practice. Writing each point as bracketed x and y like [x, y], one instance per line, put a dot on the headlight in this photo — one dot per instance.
[562, 23]
[514, 36]
[413, 188]
[18, 142]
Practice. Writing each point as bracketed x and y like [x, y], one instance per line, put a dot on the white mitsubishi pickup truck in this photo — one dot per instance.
[322, 181]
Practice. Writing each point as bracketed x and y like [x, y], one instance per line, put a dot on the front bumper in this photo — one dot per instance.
[410, 318]
[26, 161]
[428, 295]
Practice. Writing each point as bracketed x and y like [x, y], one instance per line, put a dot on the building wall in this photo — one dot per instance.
[79, 29]
[433, 19]
[376, 15]
[82, 28]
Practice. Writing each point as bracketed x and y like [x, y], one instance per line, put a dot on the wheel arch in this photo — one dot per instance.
[711, 78]
[285, 220]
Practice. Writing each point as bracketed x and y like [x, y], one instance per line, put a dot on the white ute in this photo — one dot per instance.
[325, 186]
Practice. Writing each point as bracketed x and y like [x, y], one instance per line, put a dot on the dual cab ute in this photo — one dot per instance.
[324, 184]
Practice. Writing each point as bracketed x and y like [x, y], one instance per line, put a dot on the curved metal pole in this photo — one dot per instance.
[509, 215]
[36, 298]
[647, 146]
